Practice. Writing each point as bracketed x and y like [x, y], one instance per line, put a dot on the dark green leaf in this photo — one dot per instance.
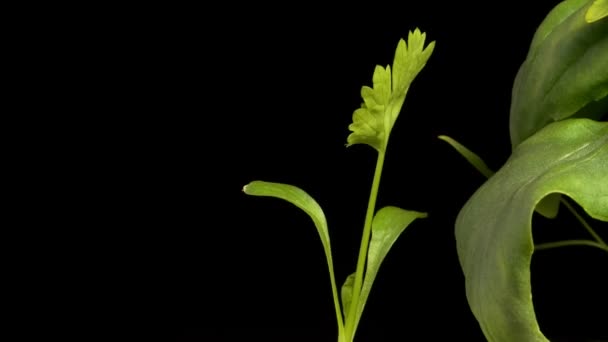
[565, 73]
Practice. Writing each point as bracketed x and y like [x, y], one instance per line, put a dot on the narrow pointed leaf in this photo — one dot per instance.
[548, 206]
[565, 73]
[470, 156]
[373, 122]
[493, 229]
[387, 225]
[297, 197]
[304, 201]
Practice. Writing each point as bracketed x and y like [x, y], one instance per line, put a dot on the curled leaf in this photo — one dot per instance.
[493, 229]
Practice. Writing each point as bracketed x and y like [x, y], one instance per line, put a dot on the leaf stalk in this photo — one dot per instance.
[367, 229]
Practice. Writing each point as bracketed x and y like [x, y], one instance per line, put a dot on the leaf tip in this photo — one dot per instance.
[448, 140]
[597, 11]
[246, 188]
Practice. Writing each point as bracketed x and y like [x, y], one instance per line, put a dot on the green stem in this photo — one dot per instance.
[367, 230]
[583, 222]
[566, 243]
[334, 290]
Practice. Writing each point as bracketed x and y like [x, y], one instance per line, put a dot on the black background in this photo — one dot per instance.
[221, 96]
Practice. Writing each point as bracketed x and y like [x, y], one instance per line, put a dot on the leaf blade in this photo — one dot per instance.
[493, 229]
[597, 11]
[305, 202]
[565, 73]
[387, 226]
[295, 196]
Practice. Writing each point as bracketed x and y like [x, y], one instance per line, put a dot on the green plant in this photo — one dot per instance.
[559, 148]
[372, 125]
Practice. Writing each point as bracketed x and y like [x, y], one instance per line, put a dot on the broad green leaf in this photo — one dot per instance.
[304, 201]
[373, 122]
[555, 17]
[493, 229]
[565, 73]
[597, 11]
[387, 225]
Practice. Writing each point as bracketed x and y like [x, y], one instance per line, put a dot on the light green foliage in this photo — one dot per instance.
[557, 150]
[387, 226]
[302, 200]
[558, 14]
[566, 71]
[373, 122]
[597, 11]
[493, 230]
[347, 293]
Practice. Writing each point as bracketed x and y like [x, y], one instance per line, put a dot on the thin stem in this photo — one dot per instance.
[367, 229]
[583, 222]
[568, 243]
[334, 291]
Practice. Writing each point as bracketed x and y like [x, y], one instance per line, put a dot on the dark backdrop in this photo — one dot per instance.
[226, 95]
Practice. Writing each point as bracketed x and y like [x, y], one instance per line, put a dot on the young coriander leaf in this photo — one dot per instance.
[372, 123]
